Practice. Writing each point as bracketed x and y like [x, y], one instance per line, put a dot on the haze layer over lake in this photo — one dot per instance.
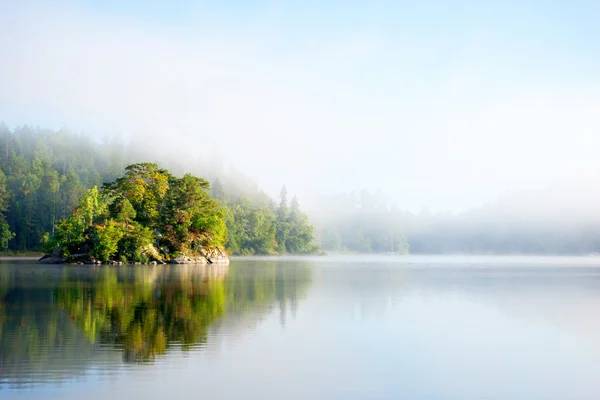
[337, 327]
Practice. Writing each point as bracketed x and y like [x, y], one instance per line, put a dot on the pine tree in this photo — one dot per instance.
[283, 206]
[218, 191]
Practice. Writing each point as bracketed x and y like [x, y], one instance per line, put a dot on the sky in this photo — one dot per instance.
[441, 104]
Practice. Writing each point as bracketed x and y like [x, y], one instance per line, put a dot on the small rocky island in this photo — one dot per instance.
[148, 216]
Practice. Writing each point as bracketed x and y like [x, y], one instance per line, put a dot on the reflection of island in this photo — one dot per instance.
[142, 310]
[64, 319]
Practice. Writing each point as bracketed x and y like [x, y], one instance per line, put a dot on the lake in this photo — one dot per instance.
[336, 327]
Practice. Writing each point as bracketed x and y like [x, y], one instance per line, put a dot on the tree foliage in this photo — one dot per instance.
[145, 210]
[5, 233]
[45, 177]
[265, 229]
[45, 174]
[361, 223]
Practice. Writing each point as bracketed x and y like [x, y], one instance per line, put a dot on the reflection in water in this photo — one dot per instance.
[260, 285]
[34, 334]
[564, 295]
[143, 309]
[82, 315]
[374, 327]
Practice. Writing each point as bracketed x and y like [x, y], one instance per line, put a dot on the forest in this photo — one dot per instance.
[45, 173]
[46, 176]
[361, 223]
[542, 222]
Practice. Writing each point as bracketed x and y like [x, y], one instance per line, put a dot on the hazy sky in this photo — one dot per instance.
[442, 104]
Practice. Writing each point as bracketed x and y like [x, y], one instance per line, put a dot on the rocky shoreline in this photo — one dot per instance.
[210, 257]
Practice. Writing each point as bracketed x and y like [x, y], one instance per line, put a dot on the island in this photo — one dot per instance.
[147, 216]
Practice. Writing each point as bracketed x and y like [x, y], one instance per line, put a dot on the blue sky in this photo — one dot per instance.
[440, 104]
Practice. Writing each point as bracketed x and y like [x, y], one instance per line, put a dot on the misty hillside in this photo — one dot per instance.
[562, 219]
[44, 173]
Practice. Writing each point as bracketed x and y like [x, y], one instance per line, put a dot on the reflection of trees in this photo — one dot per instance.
[259, 284]
[34, 334]
[57, 320]
[143, 310]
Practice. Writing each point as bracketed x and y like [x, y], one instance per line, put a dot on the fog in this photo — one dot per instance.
[438, 107]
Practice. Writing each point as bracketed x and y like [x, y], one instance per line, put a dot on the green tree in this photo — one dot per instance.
[48, 172]
[90, 206]
[145, 186]
[69, 236]
[5, 233]
[108, 225]
[282, 212]
[190, 218]
[106, 240]
[251, 228]
[218, 191]
[294, 210]
[136, 239]
[122, 210]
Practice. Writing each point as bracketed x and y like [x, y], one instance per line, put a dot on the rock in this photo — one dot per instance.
[204, 256]
[218, 257]
[51, 260]
[56, 257]
[157, 260]
[180, 260]
[188, 260]
[79, 257]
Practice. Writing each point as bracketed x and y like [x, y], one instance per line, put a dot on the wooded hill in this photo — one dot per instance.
[44, 174]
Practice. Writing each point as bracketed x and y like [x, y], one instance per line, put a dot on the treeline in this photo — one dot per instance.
[494, 230]
[263, 228]
[557, 220]
[362, 223]
[44, 173]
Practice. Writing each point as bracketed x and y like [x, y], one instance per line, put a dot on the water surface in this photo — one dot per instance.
[351, 327]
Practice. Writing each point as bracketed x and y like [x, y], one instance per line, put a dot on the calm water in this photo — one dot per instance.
[304, 328]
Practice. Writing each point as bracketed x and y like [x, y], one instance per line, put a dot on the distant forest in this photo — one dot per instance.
[44, 173]
[545, 222]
